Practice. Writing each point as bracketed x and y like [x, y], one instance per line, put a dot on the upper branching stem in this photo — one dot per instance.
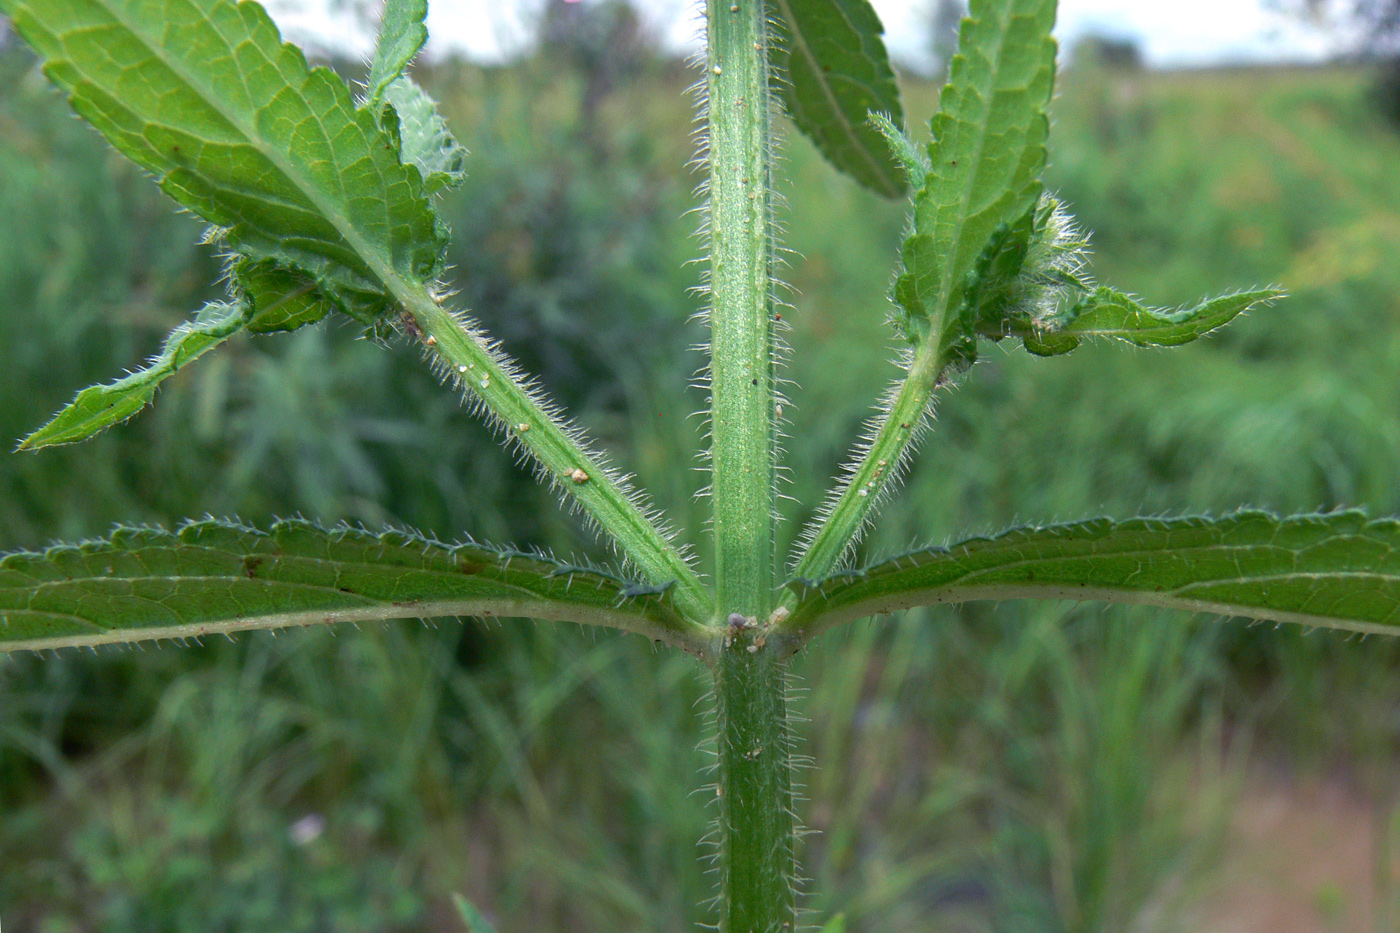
[879, 467]
[568, 464]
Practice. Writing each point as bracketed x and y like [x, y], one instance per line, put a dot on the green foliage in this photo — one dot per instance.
[1336, 569]
[213, 577]
[834, 73]
[424, 139]
[408, 113]
[239, 130]
[1011, 275]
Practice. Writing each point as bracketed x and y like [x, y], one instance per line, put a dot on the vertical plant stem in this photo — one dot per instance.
[741, 362]
[755, 787]
[755, 782]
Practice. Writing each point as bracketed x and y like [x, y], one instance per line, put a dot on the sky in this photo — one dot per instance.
[1171, 33]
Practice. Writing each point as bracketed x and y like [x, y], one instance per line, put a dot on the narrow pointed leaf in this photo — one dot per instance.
[1108, 313]
[240, 130]
[1339, 570]
[424, 139]
[986, 158]
[99, 407]
[401, 38]
[836, 72]
[215, 577]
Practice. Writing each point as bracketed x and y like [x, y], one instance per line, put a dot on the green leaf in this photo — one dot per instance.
[476, 923]
[424, 139]
[1338, 570]
[834, 72]
[986, 158]
[99, 407]
[237, 127]
[1105, 312]
[214, 577]
[401, 38]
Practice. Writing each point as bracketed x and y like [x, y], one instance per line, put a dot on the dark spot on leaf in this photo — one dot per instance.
[250, 567]
[470, 567]
[346, 589]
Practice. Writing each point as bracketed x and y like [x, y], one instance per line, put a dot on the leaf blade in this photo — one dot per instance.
[214, 577]
[424, 138]
[1107, 313]
[987, 155]
[240, 130]
[1303, 569]
[401, 37]
[838, 72]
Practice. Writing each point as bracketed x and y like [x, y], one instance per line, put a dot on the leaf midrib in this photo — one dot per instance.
[558, 610]
[266, 581]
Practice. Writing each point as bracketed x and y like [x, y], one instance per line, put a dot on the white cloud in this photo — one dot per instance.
[1180, 33]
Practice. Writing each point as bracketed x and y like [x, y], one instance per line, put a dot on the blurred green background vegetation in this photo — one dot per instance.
[1009, 768]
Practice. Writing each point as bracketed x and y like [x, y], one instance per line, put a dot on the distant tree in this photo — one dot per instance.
[1115, 52]
[604, 41]
[1375, 28]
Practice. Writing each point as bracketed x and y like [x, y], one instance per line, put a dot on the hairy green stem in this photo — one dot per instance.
[571, 467]
[757, 824]
[741, 364]
[879, 466]
[755, 783]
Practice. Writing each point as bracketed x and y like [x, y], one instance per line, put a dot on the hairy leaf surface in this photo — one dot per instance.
[1339, 570]
[837, 72]
[1105, 312]
[205, 95]
[424, 139]
[986, 158]
[214, 577]
[406, 111]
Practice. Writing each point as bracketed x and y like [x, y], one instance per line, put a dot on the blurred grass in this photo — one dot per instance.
[994, 768]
